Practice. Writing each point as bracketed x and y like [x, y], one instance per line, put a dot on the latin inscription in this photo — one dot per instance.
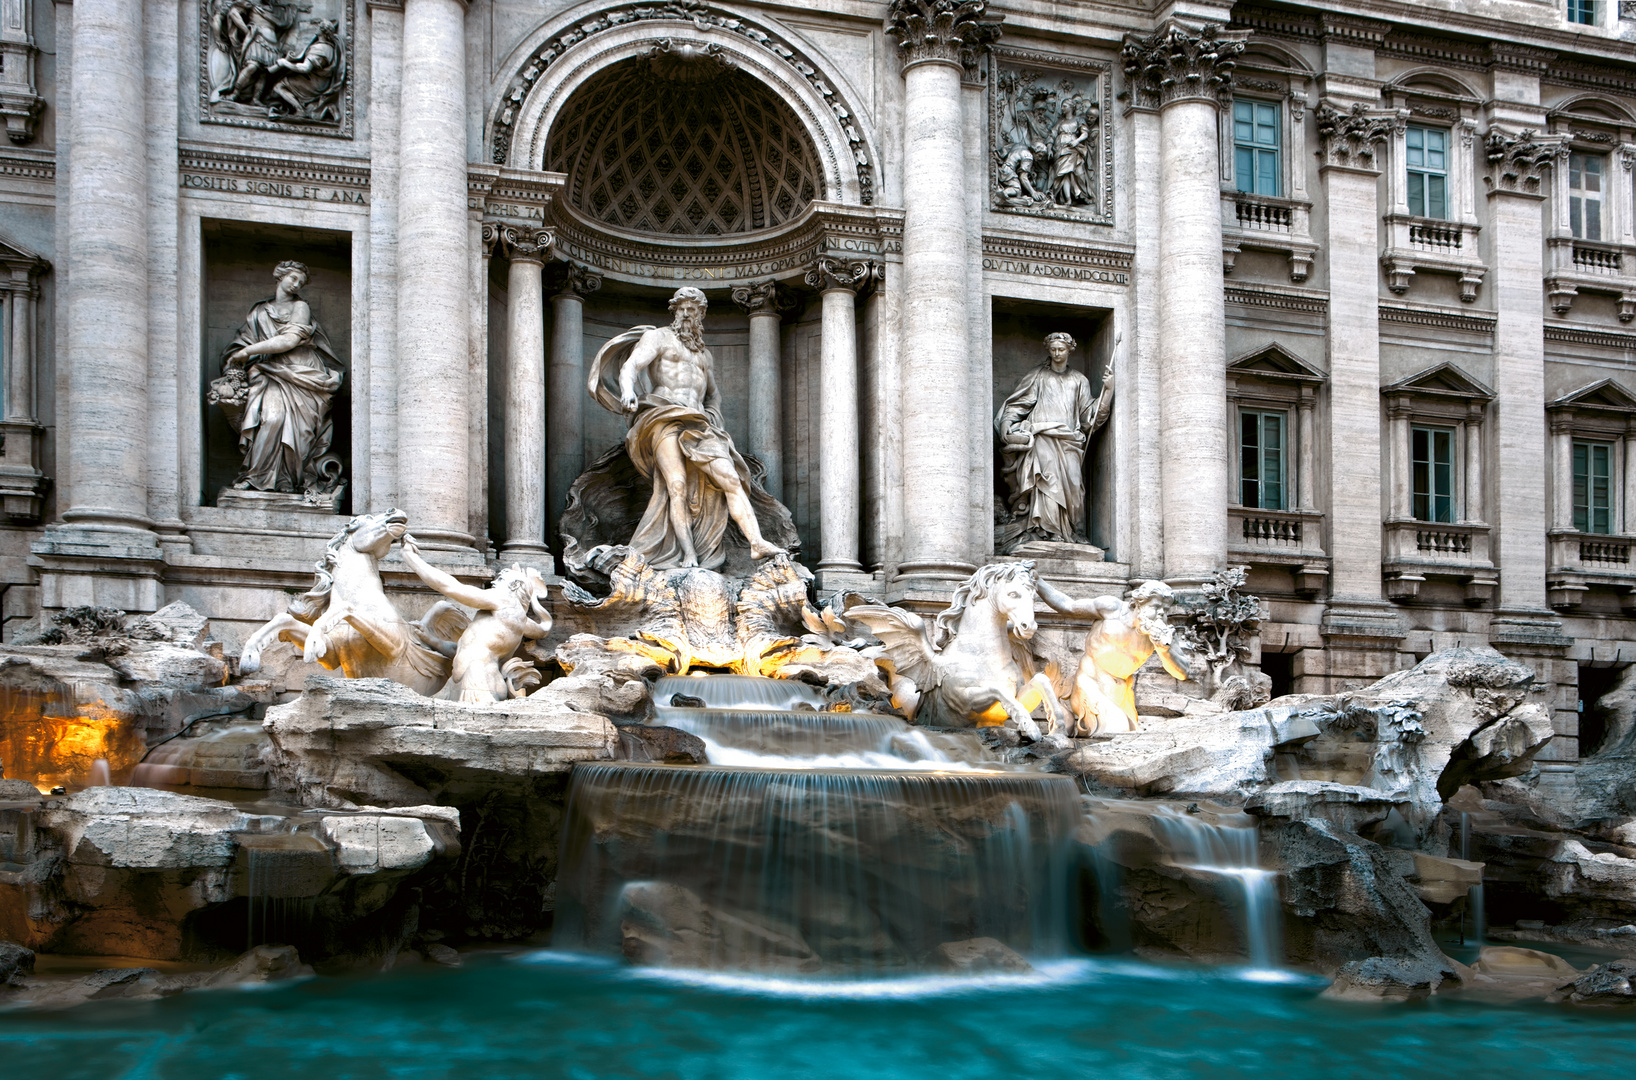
[1056, 270]
[273, 189]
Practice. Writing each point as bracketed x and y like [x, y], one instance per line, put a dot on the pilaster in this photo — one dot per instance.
[766, 302]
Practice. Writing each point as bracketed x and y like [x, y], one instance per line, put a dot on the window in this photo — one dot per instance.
[1432, 455]
[1428, 163]
[1261, 471]
[1585, 195]
[1255, 147]
[1582, 11]
[1593, 487]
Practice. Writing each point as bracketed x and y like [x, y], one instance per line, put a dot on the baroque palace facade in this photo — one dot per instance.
[1363, 276]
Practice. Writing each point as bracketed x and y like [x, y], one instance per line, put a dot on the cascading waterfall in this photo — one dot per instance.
[1474, 895]
[1229, 852]
[815, 842]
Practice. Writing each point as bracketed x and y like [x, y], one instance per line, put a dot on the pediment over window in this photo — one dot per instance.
[1275, 363]
[1606, 396]
[15, 258]
[1443, 381]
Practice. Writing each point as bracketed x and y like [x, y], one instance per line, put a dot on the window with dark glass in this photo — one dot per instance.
[1585, 195]
[1432, 454]
[1427, 152]
[1261, 461]
[1582, 11]
[1255, 147]
[1593, 487]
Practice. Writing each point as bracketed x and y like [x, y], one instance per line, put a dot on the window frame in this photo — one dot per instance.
[1451, 435]
[1257, 150]
[1264, 412]
[1584, 510]
[1425, 172]
[1591, 7]
[1578, 219]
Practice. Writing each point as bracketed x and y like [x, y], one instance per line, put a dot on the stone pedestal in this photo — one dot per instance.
[433, 277]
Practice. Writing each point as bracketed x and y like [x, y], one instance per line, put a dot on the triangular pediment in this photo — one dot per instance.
[15, 256]
[1606, 395]
[1444, 380]
[1275, 362]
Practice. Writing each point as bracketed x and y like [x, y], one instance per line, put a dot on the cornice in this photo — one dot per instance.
[1283, 300]
[1011, 247]
[1577, 335]
[305, 169]
[1428, 318]
[40, 165]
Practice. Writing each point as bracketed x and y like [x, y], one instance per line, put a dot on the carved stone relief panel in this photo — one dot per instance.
[1050, 142]
[282, 65]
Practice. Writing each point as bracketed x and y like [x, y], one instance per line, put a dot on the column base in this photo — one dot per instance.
[445, 540]
[1530, 631]
[932, 574]
[537, 556]
[98, 565]
[845, 577]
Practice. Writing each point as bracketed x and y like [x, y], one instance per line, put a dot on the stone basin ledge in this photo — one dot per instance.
[350, 742]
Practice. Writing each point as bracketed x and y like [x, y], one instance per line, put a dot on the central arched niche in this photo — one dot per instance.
[681, 144]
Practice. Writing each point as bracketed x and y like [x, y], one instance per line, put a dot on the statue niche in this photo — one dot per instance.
[676, 492]
[279, 380]
[1044, 428]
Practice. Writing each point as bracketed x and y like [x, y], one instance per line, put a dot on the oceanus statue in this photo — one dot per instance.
[972, 667]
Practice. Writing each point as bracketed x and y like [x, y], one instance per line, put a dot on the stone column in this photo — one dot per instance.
[1562, 472]
[380, 411]
[107, 259]
[1359, 624]
[766, 302]
[524, 421]
[1476, 508]
[1515, 239]
[935, 41]
[838, 283]
[1186, 73]
[433, 276]
[1306, 497]
[565, 432]
[1628, 525]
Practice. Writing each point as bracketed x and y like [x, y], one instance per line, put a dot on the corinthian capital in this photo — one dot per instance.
[952, 31]
[1177, 63]
[563, 277]
[1349, 138]
[760, 297]
[1517, 162]
[854, 275]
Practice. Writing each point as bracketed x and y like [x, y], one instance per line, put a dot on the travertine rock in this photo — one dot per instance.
[1604, 984]
[981, 956]
[347, 742]
[1345, 805]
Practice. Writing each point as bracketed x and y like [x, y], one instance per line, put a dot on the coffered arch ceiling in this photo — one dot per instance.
[683, 146]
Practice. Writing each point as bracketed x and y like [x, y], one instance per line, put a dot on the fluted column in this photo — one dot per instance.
[766, 303]
[1186, 73]
[936, 40]
[433, 276]
[524, 420]
[565, 433]
[839, 282]
[107, 259]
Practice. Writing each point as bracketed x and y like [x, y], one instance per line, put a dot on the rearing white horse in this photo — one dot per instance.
[345, 620]
[973, 667]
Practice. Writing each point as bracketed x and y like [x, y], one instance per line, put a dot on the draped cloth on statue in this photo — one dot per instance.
[1047, 479]
[286, 428]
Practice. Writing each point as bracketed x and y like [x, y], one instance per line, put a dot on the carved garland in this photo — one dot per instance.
[703, 19]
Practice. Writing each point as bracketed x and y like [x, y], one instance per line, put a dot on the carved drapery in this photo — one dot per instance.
[949, 31]
[1349, 139]
[1177, 63]
[1517, 162]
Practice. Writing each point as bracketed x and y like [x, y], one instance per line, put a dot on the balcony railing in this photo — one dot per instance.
[1580, 562]
[1436, 236]
[1262, 217]
[1274, 532]
[1597, 260]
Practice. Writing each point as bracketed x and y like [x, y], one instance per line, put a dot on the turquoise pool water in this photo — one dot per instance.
[544, 1015]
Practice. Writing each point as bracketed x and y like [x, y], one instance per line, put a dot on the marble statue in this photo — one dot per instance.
[677, 442]
[973, 665]
[486, 666]
[345, 620]
[1044, 428]
[279, 378]
[1127, 632]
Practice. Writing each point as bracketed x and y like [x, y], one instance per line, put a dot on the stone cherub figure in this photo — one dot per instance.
[486, 666]
[1127, 632]
[677, 440]
[279, 379]
[1044, 428]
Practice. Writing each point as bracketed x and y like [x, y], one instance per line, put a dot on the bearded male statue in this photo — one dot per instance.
[1126, 632]
[675, 440]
